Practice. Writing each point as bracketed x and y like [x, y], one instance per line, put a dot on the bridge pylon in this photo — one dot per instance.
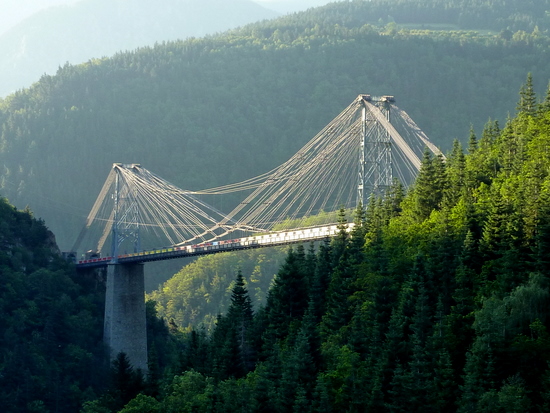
[126, 212]
[376, 159]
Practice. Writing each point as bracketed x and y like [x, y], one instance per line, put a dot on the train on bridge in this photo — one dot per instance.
[256, 241]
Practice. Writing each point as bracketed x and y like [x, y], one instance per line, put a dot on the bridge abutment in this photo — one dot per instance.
[124, 327]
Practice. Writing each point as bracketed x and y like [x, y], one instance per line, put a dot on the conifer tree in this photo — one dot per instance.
[153, 374]
[321, 281]
[298, 372]
[340, 242]
[240, 316]
[456, 172]
[541, 244]
[231, 347]
[323, 400]
[527, 104]
[429, 185]
[472, 141]
[339, 308]
[358, 233]
[442, 388]
[288, 297]
[393, 199]
[126, 383]
[544, 107]
[510, 149]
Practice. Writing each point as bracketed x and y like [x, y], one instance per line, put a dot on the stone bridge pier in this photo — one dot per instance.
[124, 326]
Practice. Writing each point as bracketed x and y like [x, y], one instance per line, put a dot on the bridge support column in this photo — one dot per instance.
[124, 327]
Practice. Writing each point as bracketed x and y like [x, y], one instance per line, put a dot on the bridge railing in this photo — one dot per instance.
[256, 241]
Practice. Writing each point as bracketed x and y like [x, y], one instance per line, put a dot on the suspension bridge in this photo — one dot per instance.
[358, 154]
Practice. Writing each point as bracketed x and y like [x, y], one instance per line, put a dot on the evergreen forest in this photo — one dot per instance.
[436, 300]
[51, 356]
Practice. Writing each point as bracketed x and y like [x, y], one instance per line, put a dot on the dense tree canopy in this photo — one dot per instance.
[438, 300]
[439, 305]
[51, 356]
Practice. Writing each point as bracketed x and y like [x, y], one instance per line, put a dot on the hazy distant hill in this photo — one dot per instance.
[290, 6]
[14, 11]
[97, 28]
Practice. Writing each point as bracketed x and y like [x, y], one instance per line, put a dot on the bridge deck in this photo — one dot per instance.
[258, 241]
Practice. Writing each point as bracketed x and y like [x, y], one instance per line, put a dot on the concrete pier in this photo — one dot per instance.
[124, 327]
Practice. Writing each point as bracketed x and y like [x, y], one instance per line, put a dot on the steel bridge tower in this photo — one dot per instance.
[125, 213]
[376, 160]
[124, 326]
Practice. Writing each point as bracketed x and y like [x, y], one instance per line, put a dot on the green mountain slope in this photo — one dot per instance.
[495, 15]
[51, 352]
[439, 305]
[211, 111]
[201, 290]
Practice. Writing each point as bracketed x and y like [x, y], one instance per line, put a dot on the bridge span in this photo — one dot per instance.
[294, 236]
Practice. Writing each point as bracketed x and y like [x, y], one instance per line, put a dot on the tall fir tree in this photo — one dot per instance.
[527, 104]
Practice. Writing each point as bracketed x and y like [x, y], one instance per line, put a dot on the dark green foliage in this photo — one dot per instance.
[51, 353]
[436, 300]
[232, 349]
[288, 297]
[429, 185]
[126, 382]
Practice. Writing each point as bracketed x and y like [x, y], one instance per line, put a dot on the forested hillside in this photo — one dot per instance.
[211, 111]
[437, 301]
[201, 290]
[51, 352]
[505, 16]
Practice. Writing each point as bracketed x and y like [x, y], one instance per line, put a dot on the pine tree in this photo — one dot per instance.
[527, 104]
[299, 372]
[339, 308]
[153, 373]
[340, 242]
[456, 170]
[323, 401]
[321, 280]
[541, 245]
[429, 185]
[511, 148]
[265, 387]
[240, 316]
[357, 241]
[231, 348]
[126, 383]
[472, 141]
[194, 356]
[392, 200]
[544, 107]
[288, 297]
